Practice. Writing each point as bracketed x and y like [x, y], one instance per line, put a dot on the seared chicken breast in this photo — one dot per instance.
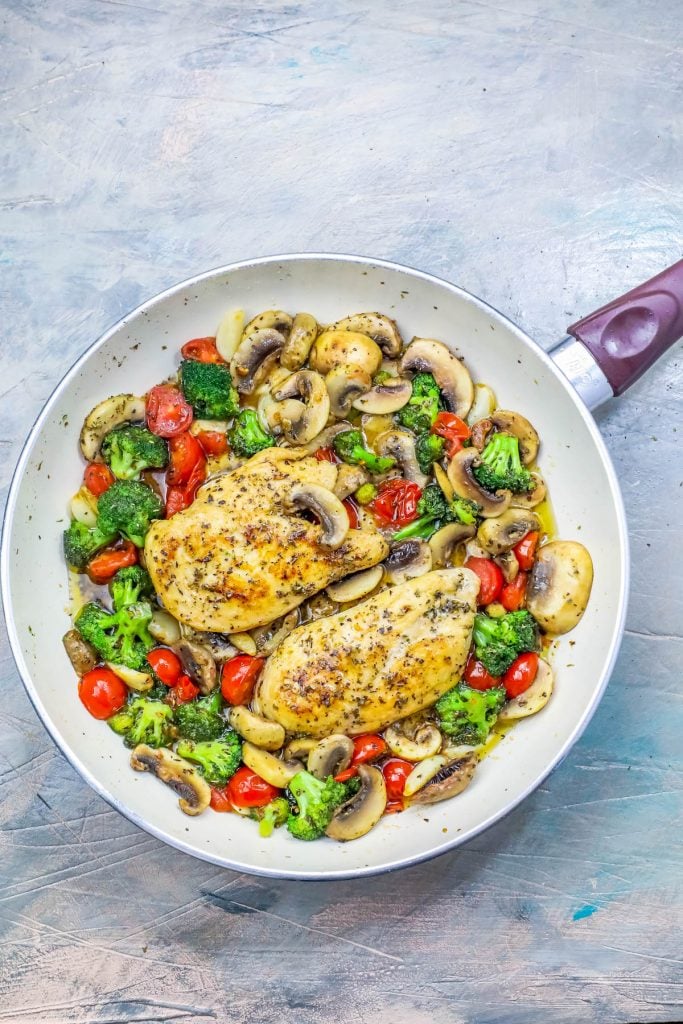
[239, 557]
[384, 659]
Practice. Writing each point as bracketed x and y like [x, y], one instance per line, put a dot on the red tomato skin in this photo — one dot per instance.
[214, 442]
[476, 676]
[177, 499]
[185, 451]
[202, 350]
[521, 674]
[102, 693]
[238, 678]
[396, 503]
[525, 551]
[352, 512]
[490, 577]
[395, 772]
[247, 789]
[513, 595]
[453, 430]
[183, 691]
[367, 748]
[168, 414]
[394, 807]
[220, 801]
[98, 478]
[102, 567]
[166, 665]
[347, 774]
[326, 455]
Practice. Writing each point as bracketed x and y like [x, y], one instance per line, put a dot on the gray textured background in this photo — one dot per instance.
[530, 152]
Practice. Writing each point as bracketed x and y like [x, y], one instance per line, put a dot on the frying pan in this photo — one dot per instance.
[601, 356]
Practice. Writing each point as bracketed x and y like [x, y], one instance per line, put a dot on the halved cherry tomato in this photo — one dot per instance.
[203, 350]
[352, 512]
[98, 478]
[183, 691]
[394, 807]
[177, 499]
[102, 567]
[102, 693]
[490, 577]
[238, 678]
[214, 442]
[168, 414]
[512, 595]
[185, 452]
[521, 674]
[476, 676]
[166, 664]
[247, 789]
[395, 772]
[220, 801]
[326, 455]
[368, 748]
[453, 430]
[396, 503]
[347, 774]
[525, 551]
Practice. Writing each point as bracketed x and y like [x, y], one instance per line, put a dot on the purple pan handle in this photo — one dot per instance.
[626, 336]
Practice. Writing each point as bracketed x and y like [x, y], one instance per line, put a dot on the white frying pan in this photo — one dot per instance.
[607, 352]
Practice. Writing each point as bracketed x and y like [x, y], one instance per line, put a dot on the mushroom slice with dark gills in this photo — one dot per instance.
[198, 662]
[344, 385]
[330, 756]
[302, 407]
[408, 560]
[358, 815]
[501, 533]
[328, 509]
[426, 355]
[385, 398]
[110, 413]
[252, 354]
[559, 585]
[447, 782]
[400, 444]
[465, 484]
[193, 792]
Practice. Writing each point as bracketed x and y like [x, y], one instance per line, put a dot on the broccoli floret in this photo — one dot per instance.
[466, 715]
[423, 406]
[434, 511]
[316, 802]
[501, 466]
[348, 445]
[82, 542]
[144, 721]
[271, 816]
[128, 507]
[498, 641]
[428, 449]
[121, 637]
[129, 586]
[217, 760]
[209, 389]
[247, 436]
[129, 449]
[200, 720]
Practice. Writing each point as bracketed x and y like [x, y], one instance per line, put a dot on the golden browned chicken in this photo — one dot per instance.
[388, 657]
[243, 554]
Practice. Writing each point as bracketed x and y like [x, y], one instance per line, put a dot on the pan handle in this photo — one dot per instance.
[628, 335]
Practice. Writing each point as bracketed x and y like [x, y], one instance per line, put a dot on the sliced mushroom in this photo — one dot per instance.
[110, 413]
[257, 730]
[349, 479]
[464, 483]
[444, 542]
[83, 507]
[339, 348]
[318, 607]
[385, 398]
[533, 699]
[502, 533]
[401, 445]
[134, 680]
[377, 326]
[268, 638]
[300, 341]
[331, 756]
[272, 769]
[229, 333]
[251, 355]
[299, 748]
[422, 773]
[426, 355]
[164, 627]
[360, 584]
[359, 814]
[328, 509]
[483, 405]
[424, 743]
[326, 436]
[373, 426]
[198, 662]
[344, 385]
[505, 420]
[244, 642]
[194, 792]
[450, 780]
[408, 560]
[507, 561]
[444, 483]
[480, 432]
[532, 498]
[81, 654]
[560, 585]
[270, 319]
[303, 407]
[217, 644]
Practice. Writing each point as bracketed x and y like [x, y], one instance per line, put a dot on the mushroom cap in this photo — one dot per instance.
[111, 412]
[358, 815]
[344, 385]
[257, 730]
[448, 781]
[502, 533]
[559, 585]
[198, 663]
[533, 699]
[382, 329]
[327, 507]
[407, 560]
[275, 771]
[466, 484]
[300, 341]
[194, 792]
[349, 479]
[330, 756]
[337, 348]
[253, 351]
[510, 422]
[444, 541]
[270, 319]
[427, 355]
[385, 398]
[425, 743]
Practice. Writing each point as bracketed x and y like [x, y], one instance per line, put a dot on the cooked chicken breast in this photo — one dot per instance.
[388, 657]
[239, 558]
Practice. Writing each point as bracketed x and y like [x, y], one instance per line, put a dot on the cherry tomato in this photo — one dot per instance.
[326, 455]
[352, 512]
[512, 595]
[453, 430]
[102, 567]
[238, 678]
[247, 789]
[220, 801]
[203, 350]
[177, 499]
[168, 414]
[166, 664]
[98, 478]
[183, 691]
[521, 674]
[476, 676]
[396, 503]
[490, 577]
[185, 451]
[347, 774]
[368, 748]
[394, 807]
[525, 551]
[395, 772]
[102, 693]
[214, 442]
